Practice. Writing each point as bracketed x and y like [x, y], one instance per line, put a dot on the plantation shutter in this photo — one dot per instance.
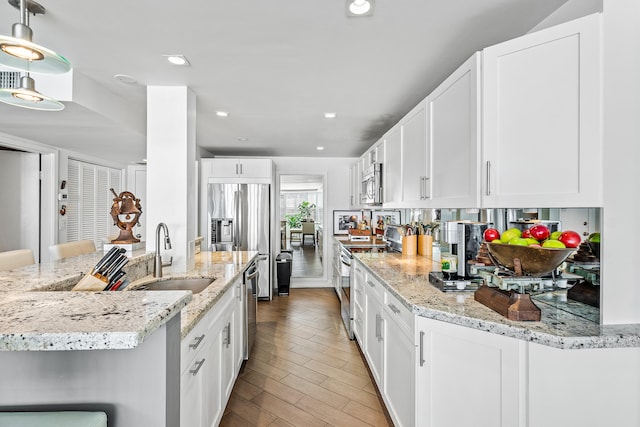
[89, 201]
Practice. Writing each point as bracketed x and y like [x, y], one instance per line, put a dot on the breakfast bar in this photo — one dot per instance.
[115, 352]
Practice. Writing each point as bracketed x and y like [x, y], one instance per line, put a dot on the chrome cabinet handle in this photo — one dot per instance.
[394, 308]
[488, 177]
[227, 340]
[370, 283]
[198, 365]
[241, 169]
[421, 348]
[378, 327]
[427, 194]
[196, 342]
[236, 169]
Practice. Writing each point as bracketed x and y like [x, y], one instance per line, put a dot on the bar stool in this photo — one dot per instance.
[53, 419]
[17, 258]
[69, 249]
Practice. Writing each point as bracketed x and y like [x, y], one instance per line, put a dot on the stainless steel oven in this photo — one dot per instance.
[346, 259]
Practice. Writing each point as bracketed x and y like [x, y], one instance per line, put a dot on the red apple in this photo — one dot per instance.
[491, 234]
[571, 239]
[526, 234]
[539, 232]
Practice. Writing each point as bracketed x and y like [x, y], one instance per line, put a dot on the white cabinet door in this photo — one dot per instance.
[541, 118]
[374, 324]
[415, 155]
[399, 371]
[191, 394]
[238, 168]
[237, 340]
[454, 129]
[392, 168]
[212, 396]
[462, 365]
[358, 302]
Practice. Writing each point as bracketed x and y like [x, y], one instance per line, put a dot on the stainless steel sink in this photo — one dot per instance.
[193, 285]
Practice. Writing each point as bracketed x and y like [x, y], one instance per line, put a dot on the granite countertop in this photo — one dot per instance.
[407, 279]
[225, 267]
[38, 311]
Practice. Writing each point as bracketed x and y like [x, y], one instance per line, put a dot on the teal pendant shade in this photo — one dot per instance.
[26, 96]
[51, 62]
[20, 53]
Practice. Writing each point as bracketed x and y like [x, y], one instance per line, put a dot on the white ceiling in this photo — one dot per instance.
[275, 65]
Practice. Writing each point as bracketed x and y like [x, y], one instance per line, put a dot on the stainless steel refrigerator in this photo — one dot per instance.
[238, 218]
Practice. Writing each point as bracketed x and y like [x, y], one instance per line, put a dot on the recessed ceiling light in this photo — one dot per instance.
[320, 148]
[242, 138]
[123, 78]
[330, 115]
[359, 7]
[222, 113]
[179, 60]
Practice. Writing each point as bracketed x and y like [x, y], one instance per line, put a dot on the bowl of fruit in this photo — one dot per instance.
[538, 250]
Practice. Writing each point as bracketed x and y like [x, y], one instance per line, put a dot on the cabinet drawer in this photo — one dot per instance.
[192, 343]
[374, 287]
[398, 311]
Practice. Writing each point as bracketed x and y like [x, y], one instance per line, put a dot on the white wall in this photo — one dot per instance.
[572, 9]
[621, 135]
[336, 196]
[20, 195]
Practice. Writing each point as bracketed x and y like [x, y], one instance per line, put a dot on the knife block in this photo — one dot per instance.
[91, 283]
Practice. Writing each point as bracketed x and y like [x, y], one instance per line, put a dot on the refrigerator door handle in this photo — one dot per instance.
[236, 219]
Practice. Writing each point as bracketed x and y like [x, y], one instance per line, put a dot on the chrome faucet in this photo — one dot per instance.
[157, 267]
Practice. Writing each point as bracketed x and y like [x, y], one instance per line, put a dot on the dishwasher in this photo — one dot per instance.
[250, 294]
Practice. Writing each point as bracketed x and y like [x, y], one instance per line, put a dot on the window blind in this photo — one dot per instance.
[89, 201]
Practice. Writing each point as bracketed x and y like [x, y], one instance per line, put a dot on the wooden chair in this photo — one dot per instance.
[309, 229]
[69, 249]
[17, 258]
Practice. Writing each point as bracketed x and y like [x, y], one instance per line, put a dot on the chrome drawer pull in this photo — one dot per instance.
[198, 365]
[196, 342]
[422, 348]
[370, 283]
[394, 308]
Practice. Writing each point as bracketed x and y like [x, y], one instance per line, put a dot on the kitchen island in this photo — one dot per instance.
[117, 352]
[428, 349]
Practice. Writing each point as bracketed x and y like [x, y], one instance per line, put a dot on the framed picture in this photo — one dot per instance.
[344, 220]
[379, 219]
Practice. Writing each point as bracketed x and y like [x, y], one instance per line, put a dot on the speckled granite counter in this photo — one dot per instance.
[407, 279]
[38, 313]
[226, 267]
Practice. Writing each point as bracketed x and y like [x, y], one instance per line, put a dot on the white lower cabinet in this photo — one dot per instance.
[210, 363]
[389, 348]
[399, 354]
[477, 371]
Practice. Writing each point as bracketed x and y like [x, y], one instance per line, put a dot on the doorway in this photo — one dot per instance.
[301, 223]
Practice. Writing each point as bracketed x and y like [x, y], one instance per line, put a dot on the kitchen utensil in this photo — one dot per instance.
[533, 260]
[104, 259]
[116, 268]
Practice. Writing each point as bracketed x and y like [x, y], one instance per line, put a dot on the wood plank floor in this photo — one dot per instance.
[306, 261]
[303, 370]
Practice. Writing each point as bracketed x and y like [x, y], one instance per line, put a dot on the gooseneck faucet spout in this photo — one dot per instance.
[157, 267]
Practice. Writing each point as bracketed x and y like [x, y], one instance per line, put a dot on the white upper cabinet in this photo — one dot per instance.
[541, 131]
[238, 168]
[454, 137]
[415, 155]
[392, 169]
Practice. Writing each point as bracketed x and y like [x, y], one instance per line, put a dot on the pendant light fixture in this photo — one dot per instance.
[27, 96]
[20, 53]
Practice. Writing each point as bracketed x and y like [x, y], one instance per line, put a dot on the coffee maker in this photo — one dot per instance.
[464, 238]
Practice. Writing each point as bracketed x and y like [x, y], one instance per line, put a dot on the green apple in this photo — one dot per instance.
[594, 238]
[532, 241]
[555, 235]
[508, 235]
[553, 244]
[519, 241]
[516, 230]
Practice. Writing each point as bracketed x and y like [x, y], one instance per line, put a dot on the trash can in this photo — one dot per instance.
[283, 265]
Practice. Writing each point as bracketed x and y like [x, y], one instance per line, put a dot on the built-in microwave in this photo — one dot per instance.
[371, 187]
